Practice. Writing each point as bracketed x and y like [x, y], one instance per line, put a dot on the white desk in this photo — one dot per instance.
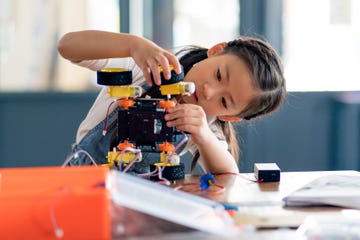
[259, 205]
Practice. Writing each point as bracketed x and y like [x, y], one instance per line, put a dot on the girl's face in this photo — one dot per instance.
[223, 85]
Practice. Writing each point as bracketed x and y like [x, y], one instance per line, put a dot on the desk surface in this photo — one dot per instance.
[260, 204]
[243, 191]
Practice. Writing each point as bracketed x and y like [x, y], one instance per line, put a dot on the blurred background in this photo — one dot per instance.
[43, 98]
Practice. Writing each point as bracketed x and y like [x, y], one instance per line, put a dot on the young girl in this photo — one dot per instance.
[240, 79]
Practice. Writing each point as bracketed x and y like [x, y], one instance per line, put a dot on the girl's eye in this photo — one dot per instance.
[223, 102]
[218, 75]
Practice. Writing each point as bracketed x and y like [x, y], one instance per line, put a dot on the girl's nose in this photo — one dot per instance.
[209, 91]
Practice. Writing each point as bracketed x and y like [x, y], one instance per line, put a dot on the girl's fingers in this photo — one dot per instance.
[182, 110]
[152, 60]
[186, 114]
[177, 122]
[188, 128]
[154, 67]
[147, 76]
[173, 60]
[164, 63]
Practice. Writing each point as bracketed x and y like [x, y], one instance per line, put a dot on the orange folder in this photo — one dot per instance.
[54, 203]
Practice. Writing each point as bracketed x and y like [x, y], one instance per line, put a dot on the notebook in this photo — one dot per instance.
[333, 190]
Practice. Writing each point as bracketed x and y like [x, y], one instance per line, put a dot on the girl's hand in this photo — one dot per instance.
[149, 56]
[190, 118]
[94, 44]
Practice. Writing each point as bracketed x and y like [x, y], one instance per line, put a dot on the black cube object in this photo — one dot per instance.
[267, 172]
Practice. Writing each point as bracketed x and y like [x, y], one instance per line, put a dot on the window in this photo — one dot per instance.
[29, 32]
[204, 22]
[322, 45]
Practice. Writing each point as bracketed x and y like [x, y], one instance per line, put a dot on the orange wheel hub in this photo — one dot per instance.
[166, 147]
[125, 145]
[167, 104]
[126, 103]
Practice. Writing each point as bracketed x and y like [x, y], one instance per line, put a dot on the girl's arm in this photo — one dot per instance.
[93, 44]
[191, 118]
[215, 158]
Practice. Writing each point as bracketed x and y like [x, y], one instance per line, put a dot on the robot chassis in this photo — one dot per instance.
[141, 123]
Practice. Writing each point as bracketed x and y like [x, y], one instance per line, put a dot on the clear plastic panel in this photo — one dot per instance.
[166, 203]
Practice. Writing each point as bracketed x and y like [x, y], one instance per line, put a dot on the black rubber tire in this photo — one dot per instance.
[173, 79]
[170, 173]
[114, 78]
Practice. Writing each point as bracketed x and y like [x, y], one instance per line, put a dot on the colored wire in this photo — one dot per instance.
[76, 155]
[149, 174]
[158, 170]
[137, 157]
[161, 169]
[161, 178]
[176, 148]
[206, 184]
[195, 187]
[107, 117]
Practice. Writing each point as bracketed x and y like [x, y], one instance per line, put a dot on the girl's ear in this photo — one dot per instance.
[216, 48]
[229, 118]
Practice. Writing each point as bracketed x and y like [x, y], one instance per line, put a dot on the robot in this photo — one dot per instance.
[141, 123]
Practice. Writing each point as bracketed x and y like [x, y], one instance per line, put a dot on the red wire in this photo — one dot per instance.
[107, 117]
[197, 188]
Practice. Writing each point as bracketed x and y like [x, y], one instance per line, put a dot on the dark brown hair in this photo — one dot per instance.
[267, 72]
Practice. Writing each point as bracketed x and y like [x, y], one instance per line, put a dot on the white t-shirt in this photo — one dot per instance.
[97, 112]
